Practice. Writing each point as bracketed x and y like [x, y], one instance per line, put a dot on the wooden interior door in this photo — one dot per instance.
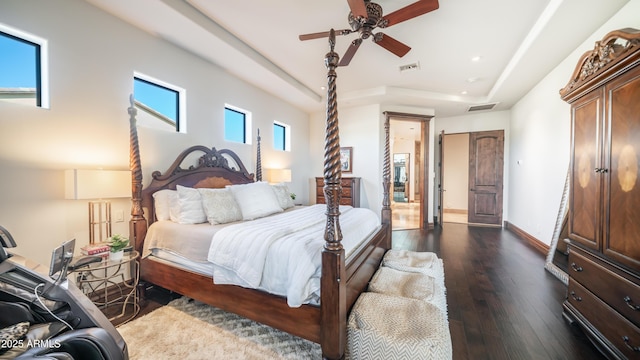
[441, 178]
[486, 162]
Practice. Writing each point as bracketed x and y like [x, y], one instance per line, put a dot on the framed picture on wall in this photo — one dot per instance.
[346, 159]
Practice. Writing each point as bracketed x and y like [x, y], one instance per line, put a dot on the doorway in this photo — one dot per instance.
[455, 178]
[409, 140]
[471, 177]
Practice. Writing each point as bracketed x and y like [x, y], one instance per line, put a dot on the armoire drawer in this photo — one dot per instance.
[616, 329]
[618, 292]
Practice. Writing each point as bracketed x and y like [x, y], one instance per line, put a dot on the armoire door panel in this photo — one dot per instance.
[584, 218]
[623, 185]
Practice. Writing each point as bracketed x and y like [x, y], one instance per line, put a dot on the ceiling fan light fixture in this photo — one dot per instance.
[366, 16]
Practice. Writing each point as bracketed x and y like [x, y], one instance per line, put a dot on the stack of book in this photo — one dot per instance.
[98, 249]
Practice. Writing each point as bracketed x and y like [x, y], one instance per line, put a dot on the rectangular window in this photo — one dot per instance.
[235, 125]
[159, 101]
[23, 72]
[281, 136]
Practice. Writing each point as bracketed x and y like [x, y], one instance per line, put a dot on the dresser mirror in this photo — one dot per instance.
[558, 255]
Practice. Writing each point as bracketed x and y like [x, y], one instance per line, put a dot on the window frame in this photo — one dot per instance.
[42, 62]
[286, 146]
[180, 123]
[246, 126]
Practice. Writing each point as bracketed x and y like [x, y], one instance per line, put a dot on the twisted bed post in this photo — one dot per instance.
[258, 160]
[333, 303]
[386, 179]
[137, 224]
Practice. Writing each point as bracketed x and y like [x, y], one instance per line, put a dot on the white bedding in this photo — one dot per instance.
[276, 259]
[285, 246]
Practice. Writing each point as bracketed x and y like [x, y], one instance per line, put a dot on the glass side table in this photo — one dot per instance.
[112, 285]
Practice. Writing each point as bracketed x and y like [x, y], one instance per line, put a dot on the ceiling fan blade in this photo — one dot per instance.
[391, 44]
[346, 59]
[323, 34]
[418, 8]
[358, 8]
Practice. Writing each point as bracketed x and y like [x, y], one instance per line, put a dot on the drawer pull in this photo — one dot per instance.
[574, 296]
[576, 267]
[626, 342]
[629, 303]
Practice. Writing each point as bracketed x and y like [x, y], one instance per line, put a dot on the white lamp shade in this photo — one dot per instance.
[97, 184]
[279, 175]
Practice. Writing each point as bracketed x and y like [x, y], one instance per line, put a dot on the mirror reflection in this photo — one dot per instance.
[401, 177]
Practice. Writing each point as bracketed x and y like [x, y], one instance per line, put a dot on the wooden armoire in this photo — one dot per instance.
[603, 295]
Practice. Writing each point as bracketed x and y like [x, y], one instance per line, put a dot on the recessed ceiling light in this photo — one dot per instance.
[323, 88]
[463, 92]
[476, 58]
[472, 79]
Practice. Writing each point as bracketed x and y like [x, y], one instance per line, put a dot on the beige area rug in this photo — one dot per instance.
[187, 329]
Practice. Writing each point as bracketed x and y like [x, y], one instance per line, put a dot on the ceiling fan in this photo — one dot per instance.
[365, 16]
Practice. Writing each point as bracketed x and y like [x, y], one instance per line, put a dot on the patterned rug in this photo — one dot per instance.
[187, 329]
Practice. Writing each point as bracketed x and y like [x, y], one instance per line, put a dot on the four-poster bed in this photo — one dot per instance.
[342, 279]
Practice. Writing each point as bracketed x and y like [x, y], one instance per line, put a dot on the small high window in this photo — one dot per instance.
[281, 136]
[23, 70]
[160, 102]
[237, 124]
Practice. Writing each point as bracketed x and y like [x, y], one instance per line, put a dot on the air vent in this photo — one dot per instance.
[481, 107]
[410, 67]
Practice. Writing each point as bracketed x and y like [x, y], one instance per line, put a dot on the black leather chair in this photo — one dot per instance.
[82, 344]
[68, 327]
[48, 339]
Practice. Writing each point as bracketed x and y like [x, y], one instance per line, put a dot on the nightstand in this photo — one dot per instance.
[111, 285]
[350, 191]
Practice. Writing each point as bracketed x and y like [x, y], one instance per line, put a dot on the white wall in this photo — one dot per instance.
[540, 139]
[92, 58]
[361, 128]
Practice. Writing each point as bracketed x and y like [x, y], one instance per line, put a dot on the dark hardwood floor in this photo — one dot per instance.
[502, 303]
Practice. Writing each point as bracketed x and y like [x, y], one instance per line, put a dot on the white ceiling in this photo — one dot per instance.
[518, 42]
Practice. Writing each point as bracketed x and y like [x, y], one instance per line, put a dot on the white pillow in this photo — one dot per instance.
[191, 211]
[163, 200]
[283, 195]
[255, 200]
[220, 206]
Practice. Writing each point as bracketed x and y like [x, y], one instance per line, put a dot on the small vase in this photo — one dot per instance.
[116, 256]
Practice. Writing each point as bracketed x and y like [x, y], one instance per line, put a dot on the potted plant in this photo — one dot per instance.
[117, 243]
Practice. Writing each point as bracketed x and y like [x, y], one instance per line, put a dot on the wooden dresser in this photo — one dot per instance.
[350, 191]
[604, 198]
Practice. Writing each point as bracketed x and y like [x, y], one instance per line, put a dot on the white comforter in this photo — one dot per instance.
[288, 247]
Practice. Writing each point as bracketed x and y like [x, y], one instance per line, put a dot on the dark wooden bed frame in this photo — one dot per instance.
[341, 282]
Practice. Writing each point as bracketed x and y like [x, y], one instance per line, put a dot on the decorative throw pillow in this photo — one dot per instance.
[11, 334]
[190, 202]
[163, 201]
[220, 206]
[283, 195]
[255, 200]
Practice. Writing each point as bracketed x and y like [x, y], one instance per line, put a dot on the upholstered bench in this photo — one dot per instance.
[403, 314]
[391, 327]
[405, 272]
